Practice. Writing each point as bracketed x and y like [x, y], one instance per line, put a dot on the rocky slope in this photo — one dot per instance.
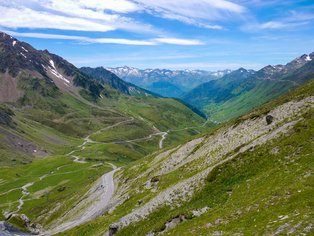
[106, 77]
[21, 65]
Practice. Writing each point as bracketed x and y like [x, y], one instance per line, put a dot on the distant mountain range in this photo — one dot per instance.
[168, 83]
[242, 90]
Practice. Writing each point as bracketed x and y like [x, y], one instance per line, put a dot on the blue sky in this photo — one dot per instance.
[185, 34]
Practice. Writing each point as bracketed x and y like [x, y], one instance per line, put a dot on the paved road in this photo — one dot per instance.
[100, 196]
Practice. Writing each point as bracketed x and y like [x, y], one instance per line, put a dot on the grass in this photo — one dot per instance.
[45, 194]
[263, 92]
[251, 192]
[57, 124]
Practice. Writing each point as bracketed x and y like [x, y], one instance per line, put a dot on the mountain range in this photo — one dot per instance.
[242, 90]
[168, 83]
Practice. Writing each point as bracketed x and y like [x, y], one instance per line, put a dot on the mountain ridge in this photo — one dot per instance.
[241, 90]
[106, 77]
[153, 79]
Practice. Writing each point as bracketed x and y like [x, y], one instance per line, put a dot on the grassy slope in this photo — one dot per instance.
[256, 193]
[252, 194]
[264, 91]
[58, 126]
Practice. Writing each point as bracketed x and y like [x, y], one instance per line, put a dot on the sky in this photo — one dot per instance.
[174, 34]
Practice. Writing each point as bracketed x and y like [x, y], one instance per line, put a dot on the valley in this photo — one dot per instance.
[57, 141]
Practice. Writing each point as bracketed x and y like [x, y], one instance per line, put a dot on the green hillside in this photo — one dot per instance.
[256, 180]
[242, 90]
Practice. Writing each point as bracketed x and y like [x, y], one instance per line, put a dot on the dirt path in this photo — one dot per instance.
[25, 193]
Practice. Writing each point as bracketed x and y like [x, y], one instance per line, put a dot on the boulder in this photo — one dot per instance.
[269, 119]
[113, 229]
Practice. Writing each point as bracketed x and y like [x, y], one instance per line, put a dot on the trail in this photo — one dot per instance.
[25, 193]
[98, 197]
[102, 191]
[88, 140]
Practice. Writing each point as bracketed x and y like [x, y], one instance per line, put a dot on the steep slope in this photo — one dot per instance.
[250, 176]
[106, 77]
[165, 88]
[23, 67]
[168, 83]
[242, 90]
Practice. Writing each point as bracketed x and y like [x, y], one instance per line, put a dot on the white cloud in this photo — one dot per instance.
[272, 25]
[107, 15]
[94, 15]
[195, 12]
[178, 41]
[291, 20]
[149, 42]
[28, 18]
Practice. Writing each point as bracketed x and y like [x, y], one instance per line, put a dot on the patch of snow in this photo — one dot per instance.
[13, 43]
[54, 71]
[52, 64]
[308, 58]
[23, 55]
[58, 75]
[24, 49]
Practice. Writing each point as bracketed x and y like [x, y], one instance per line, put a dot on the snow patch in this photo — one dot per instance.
[308, 58]
[24, 49]
[23, 55]
[54, 71]
[13, 43]
[52, 64]
[58, 75]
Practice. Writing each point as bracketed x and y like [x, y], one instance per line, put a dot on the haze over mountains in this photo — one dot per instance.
[168, 83]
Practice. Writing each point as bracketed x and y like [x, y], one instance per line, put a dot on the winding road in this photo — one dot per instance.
[98, 198]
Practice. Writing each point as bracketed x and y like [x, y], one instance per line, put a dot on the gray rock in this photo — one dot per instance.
[113, 229]
[174, 222]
